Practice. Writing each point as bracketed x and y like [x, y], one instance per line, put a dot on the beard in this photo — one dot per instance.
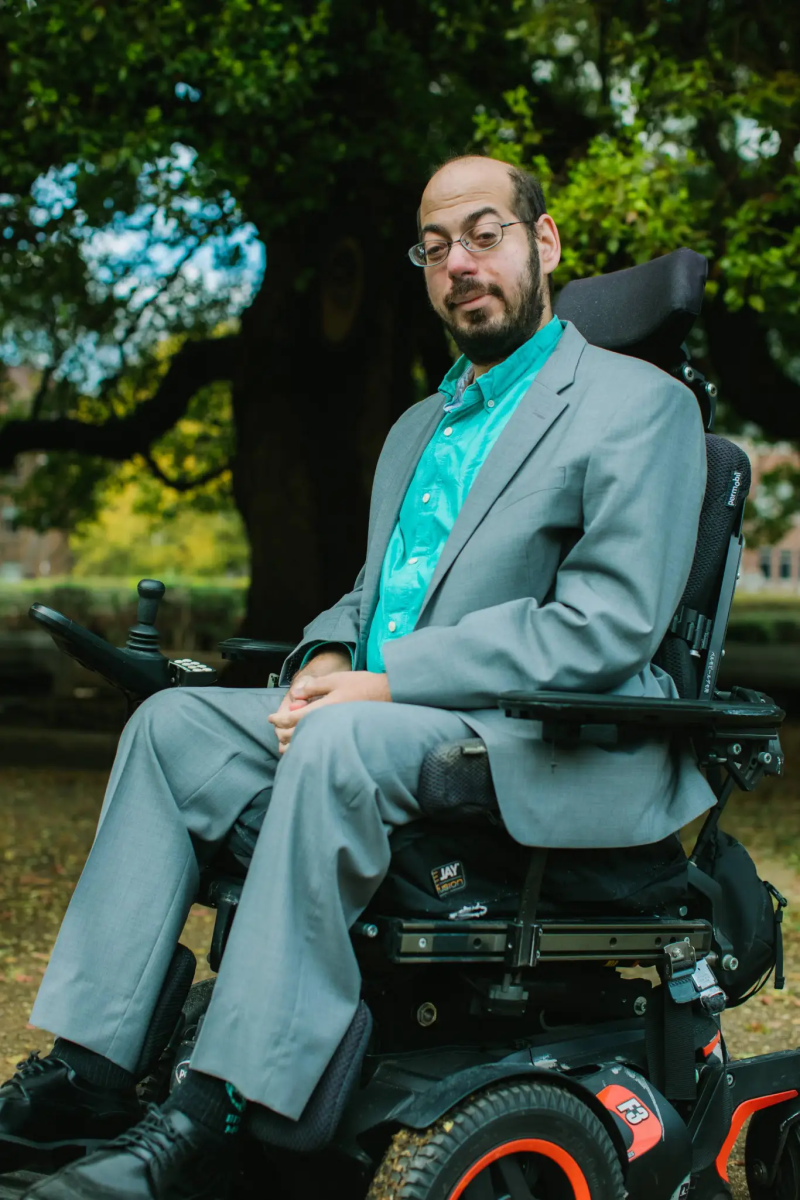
[484, 339]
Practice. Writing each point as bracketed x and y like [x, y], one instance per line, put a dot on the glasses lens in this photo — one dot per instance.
[435, 251]
[483, 236]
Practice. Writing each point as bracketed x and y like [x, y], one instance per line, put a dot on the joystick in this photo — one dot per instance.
[143, 637]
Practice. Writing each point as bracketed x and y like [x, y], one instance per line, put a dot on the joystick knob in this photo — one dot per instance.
[151, 593]
[143, 635]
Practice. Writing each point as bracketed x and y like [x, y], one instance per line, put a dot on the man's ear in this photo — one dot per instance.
[549, 243]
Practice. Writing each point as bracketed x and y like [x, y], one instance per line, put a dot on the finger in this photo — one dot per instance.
[296, 684]
[286, 719]
[311, 685]
[313, 705]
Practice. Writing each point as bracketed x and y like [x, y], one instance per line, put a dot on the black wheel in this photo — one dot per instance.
[786, 1185]
[521, 1141]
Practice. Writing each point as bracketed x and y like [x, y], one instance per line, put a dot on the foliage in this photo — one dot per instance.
[69, 489]
[697, 142]
[134, 139]
[141, 529]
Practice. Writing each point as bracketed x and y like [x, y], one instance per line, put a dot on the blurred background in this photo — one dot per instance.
[208, 323]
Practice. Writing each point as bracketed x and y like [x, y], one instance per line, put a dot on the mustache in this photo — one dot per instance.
[462, 289]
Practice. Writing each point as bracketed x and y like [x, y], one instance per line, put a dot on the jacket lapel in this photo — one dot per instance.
[534, 415]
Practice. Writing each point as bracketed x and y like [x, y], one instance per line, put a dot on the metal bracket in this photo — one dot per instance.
[689, 980]
[693, 627]
[522, 946]
[765, 758]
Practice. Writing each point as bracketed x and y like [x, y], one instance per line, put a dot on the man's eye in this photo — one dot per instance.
[483, 237]
[432, 249]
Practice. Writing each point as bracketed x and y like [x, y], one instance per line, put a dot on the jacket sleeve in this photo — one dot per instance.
[616, 590]
[338, 624]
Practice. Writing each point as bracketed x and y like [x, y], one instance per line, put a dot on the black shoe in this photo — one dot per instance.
[168, 1156]
[46, 1109]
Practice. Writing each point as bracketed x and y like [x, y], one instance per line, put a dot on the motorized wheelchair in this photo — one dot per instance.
[537, 1025]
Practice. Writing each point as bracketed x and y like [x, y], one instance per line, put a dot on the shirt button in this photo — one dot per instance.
[448, 431]
[413, 560]
[426, 498]
[490, 403]
[392, 626]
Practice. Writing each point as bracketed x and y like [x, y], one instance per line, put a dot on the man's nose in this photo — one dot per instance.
[460, 261]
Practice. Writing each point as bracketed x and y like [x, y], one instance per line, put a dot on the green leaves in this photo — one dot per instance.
[650, 125]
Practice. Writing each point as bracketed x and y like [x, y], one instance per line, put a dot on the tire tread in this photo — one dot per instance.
[416, 1158]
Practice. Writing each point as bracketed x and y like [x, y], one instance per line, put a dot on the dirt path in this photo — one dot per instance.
[48, 821]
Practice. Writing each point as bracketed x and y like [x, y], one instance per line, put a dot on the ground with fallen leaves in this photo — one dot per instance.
[47, 825]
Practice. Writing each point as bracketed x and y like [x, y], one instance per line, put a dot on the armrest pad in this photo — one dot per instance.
[236, 648]
[578, 708]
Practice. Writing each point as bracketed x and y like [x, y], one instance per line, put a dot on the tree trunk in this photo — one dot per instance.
[328, 353]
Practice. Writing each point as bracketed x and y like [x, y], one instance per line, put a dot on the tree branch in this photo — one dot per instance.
[750, 379]
[195, 365]
[41, 391]
[184, 485]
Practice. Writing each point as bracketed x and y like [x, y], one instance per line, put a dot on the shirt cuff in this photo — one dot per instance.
[318, 647]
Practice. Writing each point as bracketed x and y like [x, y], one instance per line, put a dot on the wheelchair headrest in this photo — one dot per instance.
[645, 311]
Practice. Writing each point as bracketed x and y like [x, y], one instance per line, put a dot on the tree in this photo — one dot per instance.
[653, 123]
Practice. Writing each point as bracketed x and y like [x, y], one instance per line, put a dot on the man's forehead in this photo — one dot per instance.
[464, 187]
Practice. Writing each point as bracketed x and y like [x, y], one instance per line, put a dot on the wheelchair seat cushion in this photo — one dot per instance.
[438, 871]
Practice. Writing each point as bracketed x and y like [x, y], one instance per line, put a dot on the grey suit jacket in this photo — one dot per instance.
[562, 571]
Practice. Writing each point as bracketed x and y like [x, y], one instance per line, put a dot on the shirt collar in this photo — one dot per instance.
[493, 385]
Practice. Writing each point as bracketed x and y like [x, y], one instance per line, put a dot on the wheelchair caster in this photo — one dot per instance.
[521, 1139]
[786, 1182]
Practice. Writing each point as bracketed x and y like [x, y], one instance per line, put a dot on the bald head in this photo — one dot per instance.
[491, 300]
[485, 179]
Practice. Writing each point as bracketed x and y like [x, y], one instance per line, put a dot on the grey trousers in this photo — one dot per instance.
[189, 762]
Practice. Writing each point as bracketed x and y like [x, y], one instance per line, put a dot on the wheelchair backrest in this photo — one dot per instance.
[647, 312]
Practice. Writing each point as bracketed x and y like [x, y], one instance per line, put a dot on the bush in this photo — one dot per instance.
[194, 615]
[765, 621]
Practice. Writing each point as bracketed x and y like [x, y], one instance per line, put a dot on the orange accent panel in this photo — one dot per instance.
[714, 1042]
[740, 1115]
[647, 1130]
[558, 1154]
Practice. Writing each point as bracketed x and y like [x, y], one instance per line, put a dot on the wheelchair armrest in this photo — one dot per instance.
[568, 711]
[253, 650]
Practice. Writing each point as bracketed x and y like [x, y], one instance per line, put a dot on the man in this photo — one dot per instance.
[527, 531]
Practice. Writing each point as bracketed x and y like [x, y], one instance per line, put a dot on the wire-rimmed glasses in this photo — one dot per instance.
[483, 236]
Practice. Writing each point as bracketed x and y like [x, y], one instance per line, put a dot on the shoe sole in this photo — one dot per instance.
[21, 1154]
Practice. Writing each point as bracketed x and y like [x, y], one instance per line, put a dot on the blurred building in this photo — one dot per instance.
[773, 568]
[24, 553]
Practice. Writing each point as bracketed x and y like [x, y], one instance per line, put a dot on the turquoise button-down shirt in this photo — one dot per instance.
[475, 414]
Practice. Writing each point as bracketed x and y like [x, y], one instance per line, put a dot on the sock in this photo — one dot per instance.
[212, 1102]
[94, 1068]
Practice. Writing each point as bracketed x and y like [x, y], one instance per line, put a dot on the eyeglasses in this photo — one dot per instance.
[484, 236]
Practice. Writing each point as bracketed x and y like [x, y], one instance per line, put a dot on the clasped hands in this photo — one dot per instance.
[326, 679]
